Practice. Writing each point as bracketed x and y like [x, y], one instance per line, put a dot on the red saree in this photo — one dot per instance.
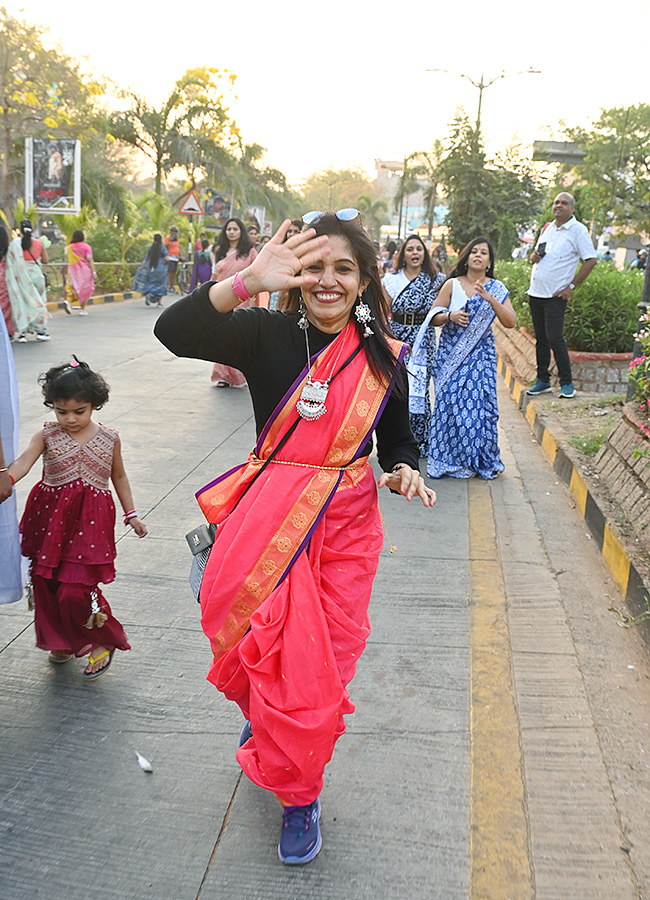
[286, 590]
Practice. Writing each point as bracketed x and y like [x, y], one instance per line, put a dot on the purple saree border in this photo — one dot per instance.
[220, 478]
[382, 407]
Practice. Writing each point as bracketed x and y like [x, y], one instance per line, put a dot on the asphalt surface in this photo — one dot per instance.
[498, 746]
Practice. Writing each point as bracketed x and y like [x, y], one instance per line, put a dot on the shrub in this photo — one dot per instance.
[601, 316]
[114, 279]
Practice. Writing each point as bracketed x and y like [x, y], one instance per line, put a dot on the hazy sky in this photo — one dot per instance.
[345, 82]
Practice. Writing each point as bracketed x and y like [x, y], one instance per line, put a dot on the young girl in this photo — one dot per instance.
[69, 520]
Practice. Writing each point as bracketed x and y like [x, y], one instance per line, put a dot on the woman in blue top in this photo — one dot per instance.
[151, 277]
[463, 436]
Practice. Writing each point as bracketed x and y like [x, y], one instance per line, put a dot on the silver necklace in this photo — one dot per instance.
[311, 404]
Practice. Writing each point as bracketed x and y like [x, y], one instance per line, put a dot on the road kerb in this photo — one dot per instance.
[630, 582]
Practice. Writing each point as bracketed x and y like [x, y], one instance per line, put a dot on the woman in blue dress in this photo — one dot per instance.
[463, 437]
[151, 277]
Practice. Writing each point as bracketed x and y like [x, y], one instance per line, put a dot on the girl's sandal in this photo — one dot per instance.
[90, 676]
[54, 658]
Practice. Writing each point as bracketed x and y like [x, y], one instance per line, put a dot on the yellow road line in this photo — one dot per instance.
[499, 848]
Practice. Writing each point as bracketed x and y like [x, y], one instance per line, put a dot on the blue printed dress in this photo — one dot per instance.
[463, 436]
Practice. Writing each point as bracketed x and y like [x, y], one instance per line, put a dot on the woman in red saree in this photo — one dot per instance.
[285, 594]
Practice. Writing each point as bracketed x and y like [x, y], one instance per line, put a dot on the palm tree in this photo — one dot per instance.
[168, 136]
[373, 212]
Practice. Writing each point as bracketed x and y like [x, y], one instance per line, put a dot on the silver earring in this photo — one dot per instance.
[303, 321]
[363, 316]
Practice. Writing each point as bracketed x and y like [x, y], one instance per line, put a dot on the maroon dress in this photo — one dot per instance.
[68, 532]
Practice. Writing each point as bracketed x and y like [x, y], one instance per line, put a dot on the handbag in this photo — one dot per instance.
[200, 542]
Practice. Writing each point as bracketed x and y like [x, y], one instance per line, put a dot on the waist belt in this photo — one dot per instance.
[410, 318]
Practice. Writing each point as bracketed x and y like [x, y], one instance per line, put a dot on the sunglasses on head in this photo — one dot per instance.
[344, 215]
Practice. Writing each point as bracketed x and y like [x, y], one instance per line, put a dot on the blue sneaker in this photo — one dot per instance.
[567, 391]
[540, 387]
[246, 733]
[301, 839]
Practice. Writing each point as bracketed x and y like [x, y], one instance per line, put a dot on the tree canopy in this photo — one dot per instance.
[615, 174]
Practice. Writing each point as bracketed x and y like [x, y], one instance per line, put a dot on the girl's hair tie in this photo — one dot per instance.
[74, 362]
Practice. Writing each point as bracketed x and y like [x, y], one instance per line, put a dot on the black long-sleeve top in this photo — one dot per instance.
[269, 348]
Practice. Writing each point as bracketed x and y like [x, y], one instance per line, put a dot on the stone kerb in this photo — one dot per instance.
[626, 473]
[593, 373]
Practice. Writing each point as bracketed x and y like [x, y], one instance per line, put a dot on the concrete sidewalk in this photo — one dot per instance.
[485, 756]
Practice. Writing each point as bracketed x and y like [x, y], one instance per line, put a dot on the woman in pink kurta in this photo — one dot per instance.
[81, 270]
[231, 253]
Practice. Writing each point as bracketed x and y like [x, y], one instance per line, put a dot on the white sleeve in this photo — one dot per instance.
[585, 245]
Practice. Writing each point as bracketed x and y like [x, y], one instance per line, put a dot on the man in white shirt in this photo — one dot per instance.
[561, 245]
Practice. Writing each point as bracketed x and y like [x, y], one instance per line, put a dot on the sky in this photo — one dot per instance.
[343, 83]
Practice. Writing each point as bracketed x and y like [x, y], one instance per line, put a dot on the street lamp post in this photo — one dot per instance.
[483, 85]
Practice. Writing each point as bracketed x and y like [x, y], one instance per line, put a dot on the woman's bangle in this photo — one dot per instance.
[13, 480]
[4, 469]
[239, 288]
[131, 514]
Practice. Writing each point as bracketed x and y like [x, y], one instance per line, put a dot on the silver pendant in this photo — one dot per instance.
[311, 404]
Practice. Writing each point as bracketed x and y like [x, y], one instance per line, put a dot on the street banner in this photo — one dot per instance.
[53, 175]
[216, 206]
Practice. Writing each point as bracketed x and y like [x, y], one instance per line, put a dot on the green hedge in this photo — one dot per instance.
[602, 315]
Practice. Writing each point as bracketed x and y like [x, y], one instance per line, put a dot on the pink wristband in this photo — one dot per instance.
[239, 288]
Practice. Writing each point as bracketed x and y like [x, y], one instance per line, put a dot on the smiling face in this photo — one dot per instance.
[330, 301]
[479, 258]
[233, 233]
[414, 253]
[563, 207]
[74, 415]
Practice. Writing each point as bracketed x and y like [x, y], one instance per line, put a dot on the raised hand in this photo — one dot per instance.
[279, 263]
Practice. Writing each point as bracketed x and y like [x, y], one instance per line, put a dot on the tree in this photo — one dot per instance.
[373, 213]
[616, 169]
[496, 199]
[427, 165]
[467, 184]
[335, 188]
[192, 118]
[41, 94]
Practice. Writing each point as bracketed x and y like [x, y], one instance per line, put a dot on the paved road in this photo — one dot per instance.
[502, 716]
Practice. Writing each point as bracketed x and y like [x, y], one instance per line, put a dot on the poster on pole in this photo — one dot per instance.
[53, 175]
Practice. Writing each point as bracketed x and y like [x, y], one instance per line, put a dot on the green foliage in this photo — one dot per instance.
[373, 213]
[114, 279]
[616, 169]
[335, 189]
[495, 198]
[602, 313]
[192, 119]
[41, 93]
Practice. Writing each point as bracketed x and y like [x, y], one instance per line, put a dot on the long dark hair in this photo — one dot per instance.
[461, 265]
[222, 244]
[4, 242]
[26, 229]
[155, 250]
[78, 237]
[427, 268]
[380, 357]
[204, 256]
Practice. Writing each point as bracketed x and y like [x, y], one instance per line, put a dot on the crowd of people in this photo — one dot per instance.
[336, 338]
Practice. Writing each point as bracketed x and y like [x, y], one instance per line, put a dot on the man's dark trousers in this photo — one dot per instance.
[548, 321]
